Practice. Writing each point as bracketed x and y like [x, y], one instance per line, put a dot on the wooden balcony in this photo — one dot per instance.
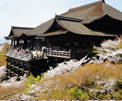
[25, 56]
[20, 56]
[35, 55]
[60, 54]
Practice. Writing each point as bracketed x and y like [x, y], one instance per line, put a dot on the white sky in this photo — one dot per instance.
[31, 13]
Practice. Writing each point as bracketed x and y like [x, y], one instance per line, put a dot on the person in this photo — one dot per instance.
[44, 49]
[27, 50]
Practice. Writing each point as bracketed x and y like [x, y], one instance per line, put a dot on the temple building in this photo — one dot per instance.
[70, 35]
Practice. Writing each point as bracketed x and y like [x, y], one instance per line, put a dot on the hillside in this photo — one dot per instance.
[96, 78]
[3, 51]
[1, 47]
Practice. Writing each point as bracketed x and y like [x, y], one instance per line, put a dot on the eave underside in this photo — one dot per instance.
[107, 25]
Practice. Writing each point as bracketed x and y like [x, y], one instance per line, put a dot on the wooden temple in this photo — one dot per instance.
[70, 35]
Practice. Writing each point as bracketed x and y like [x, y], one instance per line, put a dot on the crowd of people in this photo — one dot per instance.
[47, 48]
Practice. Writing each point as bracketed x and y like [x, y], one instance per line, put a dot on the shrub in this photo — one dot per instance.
[2, 57]
[10, 92]
[92, 81]
[30, 81]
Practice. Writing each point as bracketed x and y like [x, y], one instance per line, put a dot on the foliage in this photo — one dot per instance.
[2, 57]
[10, 92]
[92, 81]
[31, 80]
[69, 94]
[96, 51]
[96, 80]
[119, 46]
[81, 94]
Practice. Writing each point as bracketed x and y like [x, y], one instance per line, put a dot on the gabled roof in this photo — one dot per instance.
[42, 28]
[18, 31]
[93, 11]
[88, 13]
[74, 21]
[74, 26]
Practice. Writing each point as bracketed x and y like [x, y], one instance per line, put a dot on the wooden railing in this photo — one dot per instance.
[19, 55]
[30, 55]
[24, 55]
[60, 54]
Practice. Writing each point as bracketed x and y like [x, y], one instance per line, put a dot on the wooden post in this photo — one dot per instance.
[10, 68]
[13, 69]
[7, 66]
[12, 42]
[29, 69]
[17, 42]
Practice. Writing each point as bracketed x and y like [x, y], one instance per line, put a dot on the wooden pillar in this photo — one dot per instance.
[11, 42]
[29, 69]
[25, 43]
[13, 70]
[7, 66]
[14, 43]
[17, 42]
[10, 68]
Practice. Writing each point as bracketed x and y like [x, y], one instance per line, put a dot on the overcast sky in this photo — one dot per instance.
[31, 13]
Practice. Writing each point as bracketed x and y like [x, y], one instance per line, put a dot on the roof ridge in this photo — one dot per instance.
[100, 1]
[17, 27]
[68, 18]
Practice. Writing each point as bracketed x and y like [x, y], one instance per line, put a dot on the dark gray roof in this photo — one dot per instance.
[88, 13]
[93, 12]
[42, 28]
[74, 27]
[18, 31]
[58, 32]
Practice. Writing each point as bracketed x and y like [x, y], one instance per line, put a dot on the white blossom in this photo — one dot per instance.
[13, 82]
[105, 86]
[2, 72]
[34, 88]
[110, 43]
[26, 96]
[109, 51]
[65, 67]
[109, 85]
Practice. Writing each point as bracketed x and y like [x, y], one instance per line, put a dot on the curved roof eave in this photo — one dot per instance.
[107, 10]
[75, 27]
[89, 13]
[93, 11]
[11, 31]
[79, 28]
[112, 12]
[42, 28]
